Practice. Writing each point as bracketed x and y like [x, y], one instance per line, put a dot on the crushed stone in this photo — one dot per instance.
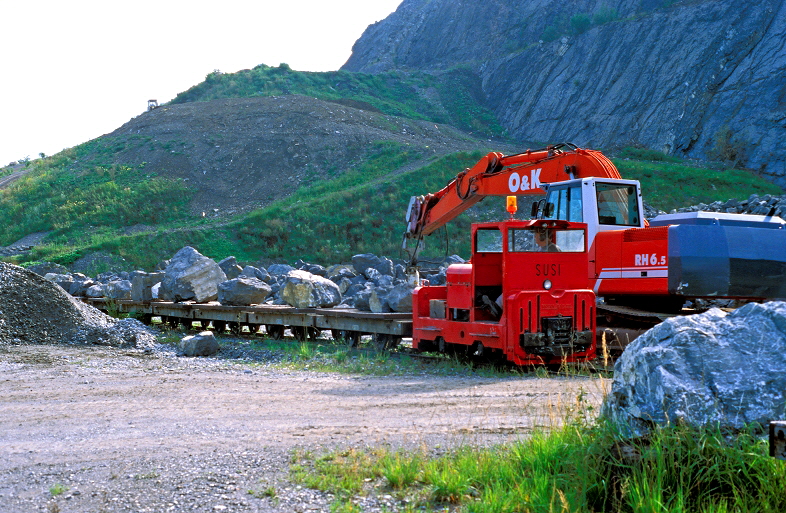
[36, 311]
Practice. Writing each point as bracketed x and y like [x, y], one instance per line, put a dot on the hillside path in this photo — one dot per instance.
[7, 180]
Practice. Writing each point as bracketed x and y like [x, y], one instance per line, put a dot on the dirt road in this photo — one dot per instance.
[128, 431]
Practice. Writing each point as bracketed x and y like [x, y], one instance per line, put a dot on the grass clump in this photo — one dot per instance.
[268, 492]
[575, 468]
[327, 355]
[57, 489]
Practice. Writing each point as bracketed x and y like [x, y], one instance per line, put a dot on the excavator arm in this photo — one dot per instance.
[500, 175]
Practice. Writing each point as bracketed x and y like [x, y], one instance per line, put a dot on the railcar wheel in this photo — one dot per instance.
[352, 338]
[220, 326]
[253, 328]
[393, 342]
[422, 346]
[204, 324]
[275, 331]
[385, 342]
[441, 345]
[299, 332]
[235, 328]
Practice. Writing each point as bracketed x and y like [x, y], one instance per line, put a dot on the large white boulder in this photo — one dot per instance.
[191, 276]
[712, 369]
[305, 290]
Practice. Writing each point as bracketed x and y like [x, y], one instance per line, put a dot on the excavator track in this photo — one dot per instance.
[620, 313]
[620, 325]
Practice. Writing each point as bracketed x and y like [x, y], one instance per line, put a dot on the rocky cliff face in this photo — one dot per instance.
[702, 78]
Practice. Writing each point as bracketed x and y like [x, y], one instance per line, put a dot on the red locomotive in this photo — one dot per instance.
[523, 296]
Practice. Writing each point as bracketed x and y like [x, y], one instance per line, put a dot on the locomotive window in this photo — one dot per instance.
[617, 204]
[546, 240]
[488, 241]
[521, 240]
[570, 240]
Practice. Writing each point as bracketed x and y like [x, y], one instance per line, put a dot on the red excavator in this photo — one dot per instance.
[641, 269]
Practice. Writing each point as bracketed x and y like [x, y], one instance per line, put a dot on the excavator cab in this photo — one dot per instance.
[604, 204]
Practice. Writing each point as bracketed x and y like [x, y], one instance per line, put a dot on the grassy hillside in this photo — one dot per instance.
[452, 97]
[361, 210]
[70, 198]
[669, 182]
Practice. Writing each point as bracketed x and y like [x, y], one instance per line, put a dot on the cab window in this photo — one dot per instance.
[488, 240]
[617, 204]
[566, 203]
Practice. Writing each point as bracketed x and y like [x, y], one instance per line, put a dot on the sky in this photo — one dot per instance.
[71, 71]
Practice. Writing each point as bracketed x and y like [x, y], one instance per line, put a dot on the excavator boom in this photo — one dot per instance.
[499, 175]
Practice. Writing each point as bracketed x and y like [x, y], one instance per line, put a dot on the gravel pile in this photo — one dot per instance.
[36, 311]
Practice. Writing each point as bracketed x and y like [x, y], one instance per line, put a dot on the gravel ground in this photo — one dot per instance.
[130, 430]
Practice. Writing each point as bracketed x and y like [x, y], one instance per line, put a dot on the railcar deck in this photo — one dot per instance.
[274, 317]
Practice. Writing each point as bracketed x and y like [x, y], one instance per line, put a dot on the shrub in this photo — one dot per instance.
[580, 23]
[550, 33]
[604, 15]
[728, 147]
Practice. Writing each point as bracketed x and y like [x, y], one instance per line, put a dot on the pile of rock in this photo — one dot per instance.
[36, 311]
[767, 205]
[369, 282]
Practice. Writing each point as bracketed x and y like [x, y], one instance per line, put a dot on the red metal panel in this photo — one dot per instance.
[459, 284]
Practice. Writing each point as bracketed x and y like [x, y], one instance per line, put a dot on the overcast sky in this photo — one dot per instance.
[73, 70]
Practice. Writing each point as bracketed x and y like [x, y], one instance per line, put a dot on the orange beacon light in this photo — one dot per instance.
[512, 206]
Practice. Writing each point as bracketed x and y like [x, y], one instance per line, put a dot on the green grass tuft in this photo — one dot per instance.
[572, 468]
[57, 489]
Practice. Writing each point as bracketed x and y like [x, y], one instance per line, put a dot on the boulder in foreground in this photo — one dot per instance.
[203, 344]
[711, 369]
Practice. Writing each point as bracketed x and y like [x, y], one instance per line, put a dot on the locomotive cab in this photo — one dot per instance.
[522, 294]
